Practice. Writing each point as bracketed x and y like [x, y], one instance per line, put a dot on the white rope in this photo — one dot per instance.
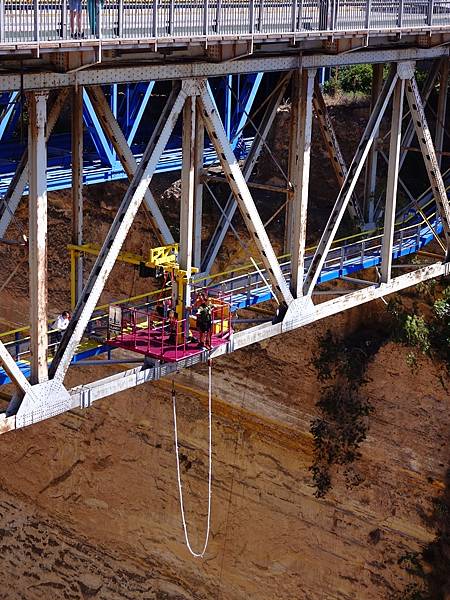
[186, 535]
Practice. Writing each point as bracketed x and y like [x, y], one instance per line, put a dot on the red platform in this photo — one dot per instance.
[149, 334]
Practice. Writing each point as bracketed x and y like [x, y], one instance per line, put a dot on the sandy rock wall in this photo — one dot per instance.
[89, 501]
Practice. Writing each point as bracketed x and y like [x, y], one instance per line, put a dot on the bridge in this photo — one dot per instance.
[223, 69]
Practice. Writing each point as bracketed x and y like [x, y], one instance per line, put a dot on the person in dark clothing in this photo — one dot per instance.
[172, 326]
[159, 309]
[204, 325]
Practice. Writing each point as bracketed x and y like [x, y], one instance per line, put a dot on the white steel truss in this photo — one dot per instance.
[346, 191]
[429, 155]
[37, 153]
[240, 190]
[192, 97]
[118, 231]
[249, 164]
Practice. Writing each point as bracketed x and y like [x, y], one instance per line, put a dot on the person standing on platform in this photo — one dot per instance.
[75, 18]
[93, 7]
[59, 326]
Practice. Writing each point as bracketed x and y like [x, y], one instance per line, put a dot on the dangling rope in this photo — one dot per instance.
[186, 535]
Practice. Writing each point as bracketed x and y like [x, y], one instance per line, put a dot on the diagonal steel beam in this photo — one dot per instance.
[14, 193]
[333, 149]
[118, 231]
[429, 155]
[138, 118]
[126, 157]
[242, 194]
[6, 117]
[13, 371]
[96, 132]
[441, 110]
[426, 92]
[349, 184]
[250, 162]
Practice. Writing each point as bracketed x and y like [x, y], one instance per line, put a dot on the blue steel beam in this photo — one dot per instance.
[244, 107]
[91, 121]
[137, 118]
[10, 110]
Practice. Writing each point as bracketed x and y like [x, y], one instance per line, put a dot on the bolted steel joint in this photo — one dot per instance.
[405, 70]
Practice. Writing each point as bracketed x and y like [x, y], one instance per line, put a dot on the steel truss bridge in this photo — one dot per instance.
[210, 61]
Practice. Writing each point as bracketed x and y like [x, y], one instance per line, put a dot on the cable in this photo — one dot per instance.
[180, 491]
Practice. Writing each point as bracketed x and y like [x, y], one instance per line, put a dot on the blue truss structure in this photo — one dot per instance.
[136, 108]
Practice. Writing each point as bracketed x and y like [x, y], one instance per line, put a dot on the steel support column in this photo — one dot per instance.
[392, 181]
[441, 109]
[294, 141]
[14, 193]
[188, 181]
[429, 156]
[118, 231]
[198, 196]
[37, 152]
[346, 191]
[77, 185]
[242, 194]
[372, 160]
[250, 162]
[123, 151]
[299, 167]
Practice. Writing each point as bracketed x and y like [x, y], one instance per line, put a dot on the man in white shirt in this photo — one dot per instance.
[60, 324]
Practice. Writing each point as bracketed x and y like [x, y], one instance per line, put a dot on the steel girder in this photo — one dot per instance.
[346, 191]
[37, 246]
[299, 166]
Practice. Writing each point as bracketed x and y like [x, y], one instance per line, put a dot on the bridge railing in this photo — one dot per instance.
[40, 21]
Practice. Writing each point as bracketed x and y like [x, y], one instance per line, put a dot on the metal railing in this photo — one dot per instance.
[39, 21]
[244, 285]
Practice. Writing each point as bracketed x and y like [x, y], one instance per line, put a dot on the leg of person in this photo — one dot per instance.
[80, 31]
[72, 23]
[201, 342]
[91, 15]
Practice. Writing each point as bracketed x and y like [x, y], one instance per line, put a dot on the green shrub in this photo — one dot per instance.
[356, 79]
[417, 332]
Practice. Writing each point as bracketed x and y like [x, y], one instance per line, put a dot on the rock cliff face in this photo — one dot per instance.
[89, 500]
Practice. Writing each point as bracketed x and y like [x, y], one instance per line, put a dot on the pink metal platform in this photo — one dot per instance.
[162, 338]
